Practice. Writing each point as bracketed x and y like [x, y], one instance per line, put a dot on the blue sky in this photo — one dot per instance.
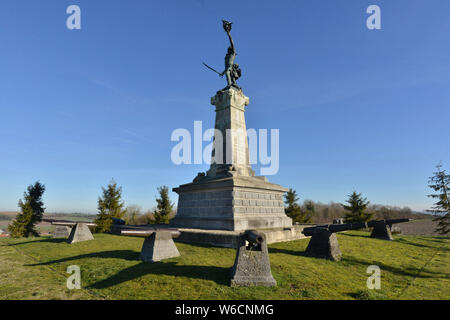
[356, 108]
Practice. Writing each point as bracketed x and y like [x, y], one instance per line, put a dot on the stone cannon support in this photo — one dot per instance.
[381, 231]
[324, 244]
[252, 265]
[382, 228]
[158, 244]
[80, 232]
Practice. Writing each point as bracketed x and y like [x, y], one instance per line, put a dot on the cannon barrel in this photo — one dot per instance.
[72, 223]
[148, 232]
[254, 237]
[388, 222]
[332, 228]
[394, 221]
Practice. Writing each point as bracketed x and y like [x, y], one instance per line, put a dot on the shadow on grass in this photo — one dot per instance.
[219, 275]
[129, 255]
[47, 240]
[406, 271]
[355, 235]
[286, 251]
[407, 242]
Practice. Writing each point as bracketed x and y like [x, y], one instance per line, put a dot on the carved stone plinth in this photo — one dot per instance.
[324, 244]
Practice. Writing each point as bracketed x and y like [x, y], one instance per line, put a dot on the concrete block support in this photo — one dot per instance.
[324, 244]
[158, 246]
[80, 232]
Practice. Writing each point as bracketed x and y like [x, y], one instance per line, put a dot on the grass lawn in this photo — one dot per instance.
[412, 267]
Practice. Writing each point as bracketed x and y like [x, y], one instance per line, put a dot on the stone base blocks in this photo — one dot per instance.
[324, 244]
[233, 203]
[158, 246]
[62, 232]
[252, 265]
[80, 232]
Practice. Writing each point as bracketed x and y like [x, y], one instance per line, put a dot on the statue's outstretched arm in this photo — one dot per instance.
[231, 41]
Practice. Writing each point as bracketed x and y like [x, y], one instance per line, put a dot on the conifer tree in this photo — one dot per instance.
[440, 183]
[164, 207]
[293, 209]
[357, 208]
[308, 210]
[110, 205]
[32, 210]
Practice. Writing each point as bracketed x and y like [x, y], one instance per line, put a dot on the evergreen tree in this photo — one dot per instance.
[164, 207]
[110, 205]
[357, 207]
[440, 183]
[292, 208]
[32, 210]
[308, 210]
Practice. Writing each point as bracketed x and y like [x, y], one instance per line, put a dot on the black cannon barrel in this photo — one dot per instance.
[254, 237]
[347, 226]
[334, 228]
[394, 221]
[387, 222]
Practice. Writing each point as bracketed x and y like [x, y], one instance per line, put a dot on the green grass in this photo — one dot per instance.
[411, 268]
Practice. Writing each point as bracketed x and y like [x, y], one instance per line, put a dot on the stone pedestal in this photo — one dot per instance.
[158, 246]
[252, 265]
[324, 244]
[233, 203]
[80, 232]
[229, 196]
[381, 231]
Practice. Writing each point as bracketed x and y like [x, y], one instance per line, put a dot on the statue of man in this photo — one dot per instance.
[232, 70]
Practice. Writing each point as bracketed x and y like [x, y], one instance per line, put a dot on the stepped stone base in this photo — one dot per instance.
[80, 232]
[233, 203]
[158, 246]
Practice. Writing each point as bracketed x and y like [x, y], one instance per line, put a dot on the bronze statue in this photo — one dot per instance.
[232, 70]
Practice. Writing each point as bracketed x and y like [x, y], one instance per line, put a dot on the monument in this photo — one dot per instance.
[229, 196]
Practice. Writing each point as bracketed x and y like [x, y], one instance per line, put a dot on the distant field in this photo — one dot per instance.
[424, 227]
[412, 267]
